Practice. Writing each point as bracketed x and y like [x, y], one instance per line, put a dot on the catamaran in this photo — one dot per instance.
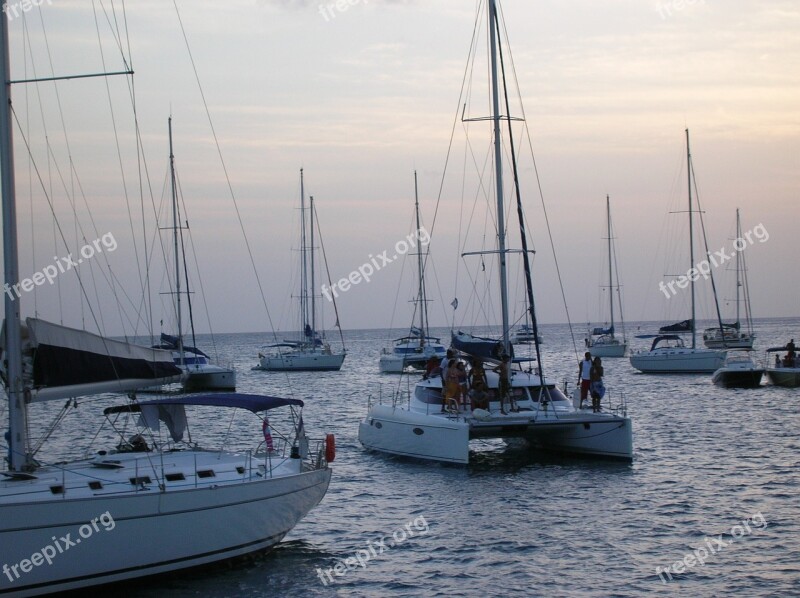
[510, 402]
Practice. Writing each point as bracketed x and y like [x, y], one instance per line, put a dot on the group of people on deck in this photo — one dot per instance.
[590, 373]
[460, 386]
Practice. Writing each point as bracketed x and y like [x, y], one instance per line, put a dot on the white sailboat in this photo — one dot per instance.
[731, 336]
[603, 342]
[200, 373]
[418, 347]
[310, 352]
[152, 502]
[668, 353]
[515, 404]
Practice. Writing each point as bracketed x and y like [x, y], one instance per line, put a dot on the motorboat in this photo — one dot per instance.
[739, 371]
[783, 371]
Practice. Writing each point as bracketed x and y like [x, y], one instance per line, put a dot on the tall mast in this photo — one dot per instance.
[175, 241]
[498, 165]
[691, 235]
[313, 288]
[610, 279]
[17, 411]
[303, 273]
[423, 305]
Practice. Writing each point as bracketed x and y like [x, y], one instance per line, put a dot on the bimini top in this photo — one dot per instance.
[254, 403]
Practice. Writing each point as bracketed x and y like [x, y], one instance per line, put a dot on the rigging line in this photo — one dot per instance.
[225, 170]
[619, 286]
[541, 196]
[26, 43]
[142, 282]
[705, 243]
[328, 272]
[452, 134]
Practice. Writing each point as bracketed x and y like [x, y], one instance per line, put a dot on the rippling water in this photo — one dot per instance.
[514, 523]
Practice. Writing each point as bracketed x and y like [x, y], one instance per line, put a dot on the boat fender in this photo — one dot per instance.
[481, 414]
[330, 448]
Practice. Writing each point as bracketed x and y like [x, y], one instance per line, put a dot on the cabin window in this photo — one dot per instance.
[205, 473]
[239, 469]
[96, 485]
[57, 489]
[175, 477]
[140, 480]
[418, 431]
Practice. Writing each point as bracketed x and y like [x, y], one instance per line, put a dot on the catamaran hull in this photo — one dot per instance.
[312, 362]
[680, 361]
[442, 438]
[153, 532]
[788, 377]
[738, 377]
[408, 434]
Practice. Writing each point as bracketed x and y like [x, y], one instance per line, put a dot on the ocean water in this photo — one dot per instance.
[715, 478]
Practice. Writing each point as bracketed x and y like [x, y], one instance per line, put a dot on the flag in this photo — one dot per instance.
[454, 303]
[267, 435]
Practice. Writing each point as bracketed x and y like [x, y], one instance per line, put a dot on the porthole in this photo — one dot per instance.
[378, 425]
[418, 431]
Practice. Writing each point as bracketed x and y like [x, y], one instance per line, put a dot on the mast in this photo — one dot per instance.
[738, 267]
[691, 236]
[313, 287]
[498, 164]
[17, 410]
[175, 242]
[303, 272]
[610, 279]
[423, 305]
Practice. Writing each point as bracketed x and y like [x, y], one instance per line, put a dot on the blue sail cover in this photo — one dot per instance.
[170, 343]
[254, 403]
[484, 348]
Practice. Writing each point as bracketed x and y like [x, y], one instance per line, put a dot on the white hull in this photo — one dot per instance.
[423, 431]
[678, 361]
[209, 377]
[191, 522]
[302, 361]
[788, 377]
[741, 343]
[608, 349]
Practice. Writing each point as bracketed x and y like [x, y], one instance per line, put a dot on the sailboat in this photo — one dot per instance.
[152, 501]
[418, 347]
[199, 372]
[669, 354]
[310, 352]
[602, 342]
[731, 336]
[512, 403]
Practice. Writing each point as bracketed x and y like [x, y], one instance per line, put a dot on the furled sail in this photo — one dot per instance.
[61, 362]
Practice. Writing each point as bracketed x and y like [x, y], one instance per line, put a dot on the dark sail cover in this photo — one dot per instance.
[68, 362]
[171, 342]
[685, 326]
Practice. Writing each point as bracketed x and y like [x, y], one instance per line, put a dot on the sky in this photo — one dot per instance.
[362, 93]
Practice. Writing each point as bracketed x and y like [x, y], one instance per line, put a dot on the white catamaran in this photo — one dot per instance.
[507, 403]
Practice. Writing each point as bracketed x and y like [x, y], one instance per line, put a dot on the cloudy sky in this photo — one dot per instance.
[362, 95]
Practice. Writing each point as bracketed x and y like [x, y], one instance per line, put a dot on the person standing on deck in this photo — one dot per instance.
[585, 375]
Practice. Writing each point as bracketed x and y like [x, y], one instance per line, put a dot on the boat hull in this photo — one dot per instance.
[306, 362]
[153, 532]
[738, 378]
[209, 379]
[678, 361]
[787, 377]
[608, 350]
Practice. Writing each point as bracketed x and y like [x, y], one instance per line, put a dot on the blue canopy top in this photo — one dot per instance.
[254, 403]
